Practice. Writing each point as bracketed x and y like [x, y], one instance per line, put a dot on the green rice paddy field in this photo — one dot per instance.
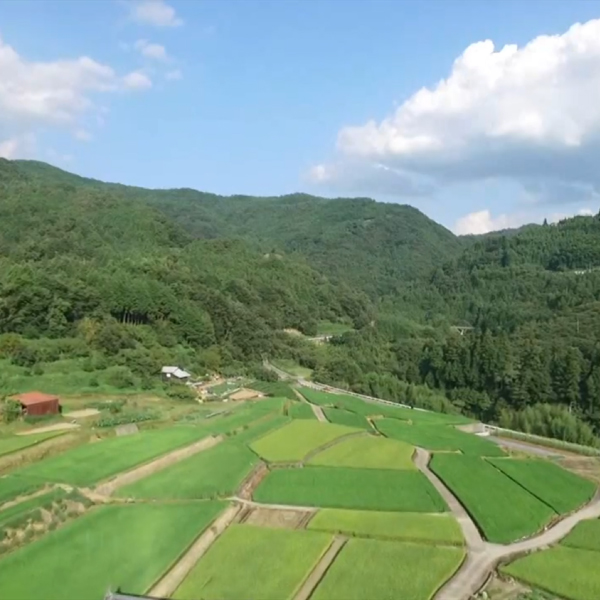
[439, 528]
[363, 489]
[345, 417]
[504, 511]
[248, 561]
[369, 452]
[585, 535]
[294, 441]
[388, 571]
[13, 443]
[216, 472]
[126, 546]
[301, 410]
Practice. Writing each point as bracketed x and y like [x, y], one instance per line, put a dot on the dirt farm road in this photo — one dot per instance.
[483, 557]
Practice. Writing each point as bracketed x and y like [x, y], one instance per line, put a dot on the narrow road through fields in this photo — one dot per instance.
[525, 447]
[166, 587]
[107, 488]
[317, 410]
[483, 557]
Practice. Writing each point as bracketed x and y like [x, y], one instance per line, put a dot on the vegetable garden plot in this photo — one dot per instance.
[297, 439]
[126, 546]
[567, 572]
[368, 451]
[383, 570]
[416, 527]
[212, 473]
[438, 437]
[504, 511]
[364, 489]
[254, 562]
[561, 490]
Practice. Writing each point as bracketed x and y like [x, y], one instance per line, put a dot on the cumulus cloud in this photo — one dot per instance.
[149, 50]
[60, 93]
[136, 80]
[154, 12]
[528, 114]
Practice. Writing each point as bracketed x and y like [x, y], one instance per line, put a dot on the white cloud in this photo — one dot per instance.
[149, 50]
[154, 12]
[136, 80]
[174, 75]
[35, 95]
[528, 114]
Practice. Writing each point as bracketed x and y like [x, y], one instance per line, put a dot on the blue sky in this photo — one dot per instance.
[272, 97]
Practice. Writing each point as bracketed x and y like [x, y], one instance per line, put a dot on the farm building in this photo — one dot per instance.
[174, 373]
[37, 403]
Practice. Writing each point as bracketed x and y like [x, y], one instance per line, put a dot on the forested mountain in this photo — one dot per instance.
[81, 262]
[144, 276]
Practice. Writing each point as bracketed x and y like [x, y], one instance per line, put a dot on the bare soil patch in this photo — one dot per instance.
[586, 466]
[49, 428]
[286, 519]
[81, 414]
[252, 481]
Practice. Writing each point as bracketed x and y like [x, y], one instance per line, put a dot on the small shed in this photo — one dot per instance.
[38, 404]
[174, 373]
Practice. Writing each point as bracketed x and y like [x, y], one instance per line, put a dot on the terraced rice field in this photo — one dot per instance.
[213, 473]
[438, 438]
[248, 561]
[387, 571]
[260, 429]
[363, 489]
[13, 443]
[504, 511]
[369, 452]
[345, 417]
[126, 546]
[567, 572]
[91, 463]
[11, 487]
[440, 529]
[294, 441]
[24, 509]
[585, 536]
[561, 490]
[301, 410]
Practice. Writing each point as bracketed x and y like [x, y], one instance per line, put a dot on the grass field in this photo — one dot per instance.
[294, 441]
[11, 487]
[373, 409]
[13, 443]
[293, 368]
[345, 417]
[126, 546]
[260, 429]
[254, 562]
[438, 437]
[585, 535]
[561, 490]
[369, 452]
[213, 473]
[440, 529]
[274, 388]
[93, 462]
[567, 572]
[363, 489]
[301, 410]
[504, 511]
[387, 571]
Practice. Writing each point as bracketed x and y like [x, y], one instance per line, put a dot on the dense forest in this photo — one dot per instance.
[504, 327]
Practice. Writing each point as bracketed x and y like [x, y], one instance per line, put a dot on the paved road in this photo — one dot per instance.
[483, 557]
[525, 447]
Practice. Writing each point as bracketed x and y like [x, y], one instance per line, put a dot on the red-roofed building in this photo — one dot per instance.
[37, 403]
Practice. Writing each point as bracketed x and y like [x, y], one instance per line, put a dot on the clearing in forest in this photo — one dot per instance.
[503, 510]
[294, 441]
[364, 489]
[439, 528]
[561, 490]
[345, 417]
[369, 452]
[112, 546]
[269, 564]
[438, 438]
[567, 572]
[387, 570]
[213, 473]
